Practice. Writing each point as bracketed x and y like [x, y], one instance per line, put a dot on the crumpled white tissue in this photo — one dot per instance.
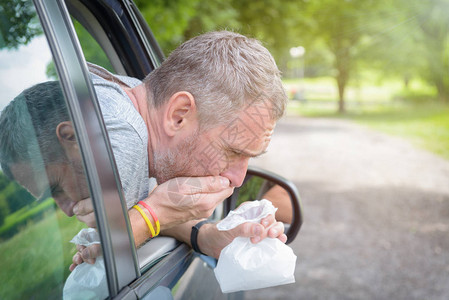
[243, 265]
[87, 281]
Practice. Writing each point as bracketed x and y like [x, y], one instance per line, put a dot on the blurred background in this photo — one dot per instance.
[365, 138]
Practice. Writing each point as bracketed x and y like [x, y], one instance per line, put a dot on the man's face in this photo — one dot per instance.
[65, 182]
[224, 150]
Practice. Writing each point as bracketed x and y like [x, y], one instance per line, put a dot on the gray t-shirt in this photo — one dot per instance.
[127, 133]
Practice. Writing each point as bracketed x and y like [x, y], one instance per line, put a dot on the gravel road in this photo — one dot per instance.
[376, 213]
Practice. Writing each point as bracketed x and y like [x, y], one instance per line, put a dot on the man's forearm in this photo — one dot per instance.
[142, 234]
[139, 227]
[181, 232]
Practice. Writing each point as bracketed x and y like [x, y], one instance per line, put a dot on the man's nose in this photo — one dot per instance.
[65, 204]
[236, 172]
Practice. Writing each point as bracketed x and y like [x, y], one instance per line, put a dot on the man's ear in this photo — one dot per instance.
[65, 133]
[180, 113]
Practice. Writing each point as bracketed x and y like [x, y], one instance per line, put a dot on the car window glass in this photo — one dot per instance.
[41, 172]
[91, 49]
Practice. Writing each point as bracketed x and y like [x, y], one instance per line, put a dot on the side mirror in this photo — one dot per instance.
[261, 184]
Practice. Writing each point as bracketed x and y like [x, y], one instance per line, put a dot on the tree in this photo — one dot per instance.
[18, 23]
[342, 25]
[211, 15]
[273, 22]
[432, 19]
[168, 19]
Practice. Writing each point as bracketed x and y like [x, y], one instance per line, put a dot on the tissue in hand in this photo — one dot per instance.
[243, 265]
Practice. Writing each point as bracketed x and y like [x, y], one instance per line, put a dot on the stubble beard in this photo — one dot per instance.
[177, 162]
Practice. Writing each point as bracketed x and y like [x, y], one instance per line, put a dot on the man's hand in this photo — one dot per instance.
[85, 254]
[84, 212]
[211, 241]
[188, 198]
[179, 200]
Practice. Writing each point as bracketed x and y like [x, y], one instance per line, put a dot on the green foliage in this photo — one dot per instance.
[341, 26]
[35, 261]
[168, 19]
[274, 22]
[404, 39]
[91, 50]
[4, 209]
[18, 219]
[14, 194]
[18, 23]
[431, 17]
[250, 190]
[51, 71]
[415, 97]
[211, 15]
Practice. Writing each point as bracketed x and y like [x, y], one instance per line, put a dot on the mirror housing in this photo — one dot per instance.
[297, 212]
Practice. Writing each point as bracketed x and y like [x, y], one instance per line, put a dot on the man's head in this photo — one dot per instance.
[233, 87]
[28, 126]
[36, 136]
[225, 72]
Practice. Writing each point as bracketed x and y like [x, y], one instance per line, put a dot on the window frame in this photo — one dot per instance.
[129, 41]
[119, 253]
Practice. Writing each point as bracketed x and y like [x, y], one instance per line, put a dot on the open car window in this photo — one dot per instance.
[115, 42]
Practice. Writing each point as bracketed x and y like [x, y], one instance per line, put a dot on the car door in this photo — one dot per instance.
[117, 31]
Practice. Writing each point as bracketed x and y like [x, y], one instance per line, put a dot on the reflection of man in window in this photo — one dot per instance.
[38, 146]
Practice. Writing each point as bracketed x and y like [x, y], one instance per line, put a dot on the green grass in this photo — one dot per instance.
[427, 125]
[416, 116]
[24, 214]
[35, 261]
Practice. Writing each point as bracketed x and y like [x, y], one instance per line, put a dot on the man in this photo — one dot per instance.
[211, 106]
[168, 126]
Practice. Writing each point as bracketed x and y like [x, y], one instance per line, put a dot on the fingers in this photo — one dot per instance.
[77, 259]
[89, 220]
[89, 254]
[257, 232]
[83, 207]
[72, 267]
[276, 230]
[85, 254]
[181, 199]
[251, 230]
[283, 238]
[268, 221]
[84, 212]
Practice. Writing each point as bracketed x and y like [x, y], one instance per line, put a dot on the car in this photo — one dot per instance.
[49, 40]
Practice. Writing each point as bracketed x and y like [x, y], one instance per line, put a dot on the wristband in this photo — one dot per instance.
[194, 235]
[155, 219]
[144, 216]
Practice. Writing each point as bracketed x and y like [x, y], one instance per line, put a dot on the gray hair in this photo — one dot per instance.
[224, 71]
[28, 127]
